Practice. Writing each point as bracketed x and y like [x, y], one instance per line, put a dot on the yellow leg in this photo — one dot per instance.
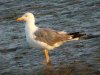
[47, 56]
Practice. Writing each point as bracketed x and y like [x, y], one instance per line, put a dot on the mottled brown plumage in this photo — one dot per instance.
[51, 36]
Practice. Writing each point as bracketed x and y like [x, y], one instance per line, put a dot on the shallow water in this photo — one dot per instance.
[73, 58]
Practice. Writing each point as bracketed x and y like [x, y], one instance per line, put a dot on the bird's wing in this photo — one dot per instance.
[50, 36]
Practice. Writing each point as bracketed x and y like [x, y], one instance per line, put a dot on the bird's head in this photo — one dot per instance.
[26, 17]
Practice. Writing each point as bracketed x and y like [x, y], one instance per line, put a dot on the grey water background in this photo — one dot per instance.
[73, 58]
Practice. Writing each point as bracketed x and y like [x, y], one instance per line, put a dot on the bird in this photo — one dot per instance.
[45, 38]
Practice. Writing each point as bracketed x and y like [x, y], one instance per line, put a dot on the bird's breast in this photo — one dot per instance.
[32, 42]
[30, 37]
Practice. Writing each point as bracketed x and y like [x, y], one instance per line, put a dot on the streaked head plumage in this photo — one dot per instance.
[26, 17]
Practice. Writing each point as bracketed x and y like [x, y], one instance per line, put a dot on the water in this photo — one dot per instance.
[73, 58]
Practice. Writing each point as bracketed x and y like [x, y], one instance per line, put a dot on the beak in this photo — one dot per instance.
[20, 19]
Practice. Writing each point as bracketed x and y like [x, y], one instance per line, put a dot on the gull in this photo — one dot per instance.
[45, 38]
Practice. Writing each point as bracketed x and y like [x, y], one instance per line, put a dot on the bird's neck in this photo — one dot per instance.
[30, 27]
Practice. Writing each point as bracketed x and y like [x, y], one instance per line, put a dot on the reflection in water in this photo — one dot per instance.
[72, 69]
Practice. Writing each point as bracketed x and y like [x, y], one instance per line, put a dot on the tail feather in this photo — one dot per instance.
[76, 35]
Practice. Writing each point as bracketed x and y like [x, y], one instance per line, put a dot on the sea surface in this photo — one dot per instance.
[80, 57]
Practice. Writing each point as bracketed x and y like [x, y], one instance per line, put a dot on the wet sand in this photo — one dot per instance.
[73, 58]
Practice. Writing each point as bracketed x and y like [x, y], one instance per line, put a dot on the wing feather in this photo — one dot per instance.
[50, 36]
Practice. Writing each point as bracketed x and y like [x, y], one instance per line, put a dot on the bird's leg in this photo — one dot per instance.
[47, 56]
